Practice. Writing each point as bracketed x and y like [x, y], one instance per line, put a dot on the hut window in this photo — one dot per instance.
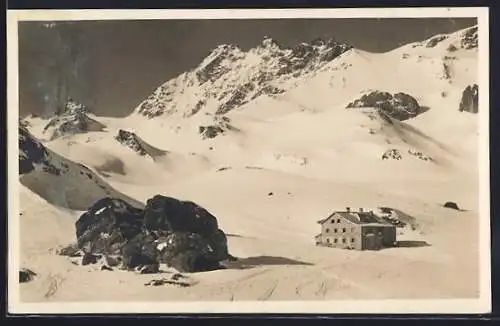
[335, 230]
[327, 230]
[338, 220]
[353, 240]
[344, 241]
[343, 230]
[335, 240]
[328, 240]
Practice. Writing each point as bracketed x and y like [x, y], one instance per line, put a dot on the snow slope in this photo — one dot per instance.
[59, 180]
[293, 154]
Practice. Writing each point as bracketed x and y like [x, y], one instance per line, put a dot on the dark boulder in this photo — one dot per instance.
[107, 226]
[70, 251]
[89, 259]
[178, 233]
[26, 275]
[140, 252]
[399, 106]
[470, 99]
[188, 252]
[172, 215]
[451, 205]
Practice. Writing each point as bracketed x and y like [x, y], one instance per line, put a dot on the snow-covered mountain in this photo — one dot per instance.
[59, 180]
[229, 77]
[272, 139]
[72, 118]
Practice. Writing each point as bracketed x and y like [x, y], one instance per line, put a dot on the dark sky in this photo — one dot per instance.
[112, 65]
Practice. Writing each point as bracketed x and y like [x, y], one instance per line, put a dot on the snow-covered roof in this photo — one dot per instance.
[358, 217]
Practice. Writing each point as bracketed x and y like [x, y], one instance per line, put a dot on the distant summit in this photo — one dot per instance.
[73, 118]
[229, 77]
[316, 75]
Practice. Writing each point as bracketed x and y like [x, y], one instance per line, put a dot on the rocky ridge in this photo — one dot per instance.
[399, 106]
[229, 77]
[72, 119]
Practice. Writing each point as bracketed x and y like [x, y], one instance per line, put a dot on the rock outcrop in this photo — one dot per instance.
[469, 38]
[451, 205]
[399, 106]
[181, 234]
[220, 125]
[209, 132]
[470, 99]
[72, 119]
[135, 143]
[31, 151]
[392, 154]
[129, 139]
[26, 275]
[419, 155]
[229, 77]
[435, 40]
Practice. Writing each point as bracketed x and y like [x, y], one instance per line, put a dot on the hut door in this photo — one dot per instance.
[373, 242]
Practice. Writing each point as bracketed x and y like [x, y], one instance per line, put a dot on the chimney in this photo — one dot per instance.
[361, 209]
[348, 209]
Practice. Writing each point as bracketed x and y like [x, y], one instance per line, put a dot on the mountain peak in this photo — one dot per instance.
[71, 119]
[224, 50]
[269, 42]
[73, 108]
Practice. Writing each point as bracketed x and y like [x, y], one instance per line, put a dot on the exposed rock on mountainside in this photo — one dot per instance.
[129, 139]
[469, 38]
[399, 106]
[419, 155]
[180, 234]
[210, 131]
[470, 98]
[26, 275]
[229, 77]
[466, 39]
[135, 143]
[395, 154]
[435, 40]
[72, 119]
[24, 123]
[221, 125]
[392, 154]
[31, 151]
